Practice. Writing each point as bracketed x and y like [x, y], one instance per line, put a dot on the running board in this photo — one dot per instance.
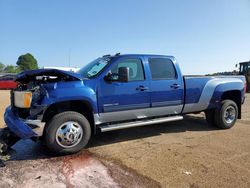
[105, 128]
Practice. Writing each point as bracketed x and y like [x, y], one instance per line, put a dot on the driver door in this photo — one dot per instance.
[119, 101]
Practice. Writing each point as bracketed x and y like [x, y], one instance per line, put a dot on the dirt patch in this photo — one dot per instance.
[80, 170]
[188, 153]
[4, 102]
[85, 170]
[125, 176]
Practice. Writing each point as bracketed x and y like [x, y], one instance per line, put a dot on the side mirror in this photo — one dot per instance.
[123, 74]
[111, 77]
[236, 65]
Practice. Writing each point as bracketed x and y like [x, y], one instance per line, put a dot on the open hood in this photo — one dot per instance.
[32, 75]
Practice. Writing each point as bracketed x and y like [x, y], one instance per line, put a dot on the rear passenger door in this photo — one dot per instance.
[167, 88]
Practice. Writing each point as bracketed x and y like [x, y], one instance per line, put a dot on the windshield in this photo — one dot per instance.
[94, 68]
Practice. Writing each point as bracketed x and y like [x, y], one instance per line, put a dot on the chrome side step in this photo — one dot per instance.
[105, 128]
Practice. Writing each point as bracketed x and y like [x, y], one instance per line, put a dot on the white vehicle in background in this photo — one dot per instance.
[71, 69]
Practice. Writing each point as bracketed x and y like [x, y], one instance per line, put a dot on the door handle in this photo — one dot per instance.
[141, 88]
[175, 86]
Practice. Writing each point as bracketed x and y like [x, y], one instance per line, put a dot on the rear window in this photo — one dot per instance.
[162, 68]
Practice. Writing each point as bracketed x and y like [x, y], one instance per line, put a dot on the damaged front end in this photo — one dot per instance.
[24, 116]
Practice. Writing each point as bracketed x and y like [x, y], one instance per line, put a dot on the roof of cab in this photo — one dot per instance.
[140, 55]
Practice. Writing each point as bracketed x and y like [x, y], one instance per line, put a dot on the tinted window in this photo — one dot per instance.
[136, 72]
[162, 68]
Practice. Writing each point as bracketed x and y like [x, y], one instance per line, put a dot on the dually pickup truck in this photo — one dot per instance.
[114, 92]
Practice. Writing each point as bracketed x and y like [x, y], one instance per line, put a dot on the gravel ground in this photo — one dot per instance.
[188, 153]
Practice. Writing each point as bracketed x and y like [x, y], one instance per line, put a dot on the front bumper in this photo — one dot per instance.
[22, 128]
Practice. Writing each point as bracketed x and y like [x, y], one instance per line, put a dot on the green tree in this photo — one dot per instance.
[1, 67]
[11, 69]
[27, 62]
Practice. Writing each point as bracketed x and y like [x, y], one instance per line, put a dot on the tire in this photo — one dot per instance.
[210, 117]
[67, 133]
[221, 119]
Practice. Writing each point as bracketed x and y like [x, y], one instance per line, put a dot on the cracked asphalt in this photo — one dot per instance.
[188, 153]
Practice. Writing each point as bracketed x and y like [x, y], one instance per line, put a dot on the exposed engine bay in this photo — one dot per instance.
[34, 80]
[31, 88]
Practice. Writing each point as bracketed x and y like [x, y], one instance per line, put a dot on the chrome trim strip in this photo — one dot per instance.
[139, 123]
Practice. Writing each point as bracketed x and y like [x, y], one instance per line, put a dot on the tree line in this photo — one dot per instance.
[227, 73]
[24, 62]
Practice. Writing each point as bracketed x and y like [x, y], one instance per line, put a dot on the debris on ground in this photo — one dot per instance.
[188, 173]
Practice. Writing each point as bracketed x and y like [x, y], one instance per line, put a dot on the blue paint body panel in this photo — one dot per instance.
[193, 94]
[194, 87]
[70, 91]
[161, 91]
[222, 88]
[17, 126]
[117, 96]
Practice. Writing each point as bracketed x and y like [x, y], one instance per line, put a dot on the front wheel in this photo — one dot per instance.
[226, 115]
[67, 132]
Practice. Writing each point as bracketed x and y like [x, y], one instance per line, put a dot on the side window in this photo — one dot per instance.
[136, 72]
[162, 68]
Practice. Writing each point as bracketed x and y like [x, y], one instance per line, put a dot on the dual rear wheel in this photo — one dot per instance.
[223, 117]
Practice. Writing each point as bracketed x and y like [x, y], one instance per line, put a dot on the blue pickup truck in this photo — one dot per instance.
[116, 92]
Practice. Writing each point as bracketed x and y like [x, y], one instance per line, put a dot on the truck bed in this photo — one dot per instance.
[200, 90]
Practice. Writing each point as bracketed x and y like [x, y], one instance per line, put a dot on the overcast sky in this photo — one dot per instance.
[205, 36]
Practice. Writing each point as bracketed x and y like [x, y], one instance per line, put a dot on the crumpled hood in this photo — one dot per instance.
[26, 76]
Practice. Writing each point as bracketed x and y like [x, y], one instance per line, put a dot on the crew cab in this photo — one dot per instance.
[115, 92]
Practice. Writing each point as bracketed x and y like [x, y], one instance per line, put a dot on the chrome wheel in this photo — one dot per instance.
[69, 134]
[229, 114]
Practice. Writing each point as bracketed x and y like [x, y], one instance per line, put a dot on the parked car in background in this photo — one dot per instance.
[8, 81]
